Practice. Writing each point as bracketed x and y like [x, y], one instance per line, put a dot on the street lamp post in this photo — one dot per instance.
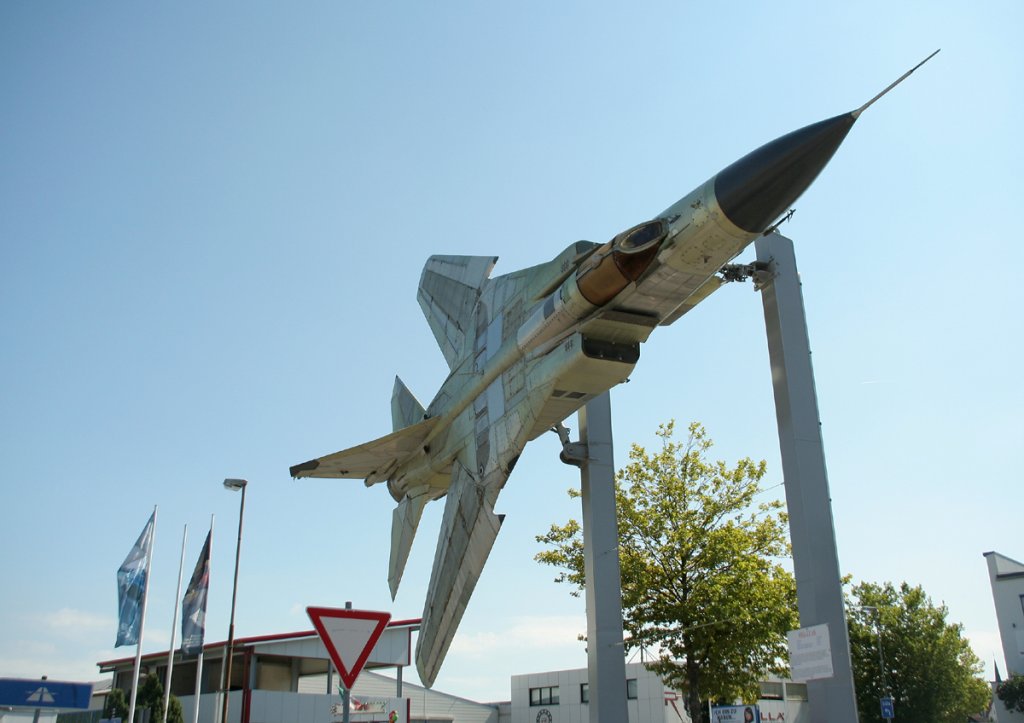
[878, 631]
[881, 660]
[233, 484]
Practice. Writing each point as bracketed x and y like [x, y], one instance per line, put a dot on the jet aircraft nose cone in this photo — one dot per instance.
[761, 186]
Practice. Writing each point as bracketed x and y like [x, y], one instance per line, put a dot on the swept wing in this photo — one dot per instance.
[373, 461]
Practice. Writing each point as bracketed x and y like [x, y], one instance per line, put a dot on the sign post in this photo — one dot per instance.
[888, 712]
[349, 636]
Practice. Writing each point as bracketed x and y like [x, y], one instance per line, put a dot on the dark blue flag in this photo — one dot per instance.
[131, 587]
[193, 609]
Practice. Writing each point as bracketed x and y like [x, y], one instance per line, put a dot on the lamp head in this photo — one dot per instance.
[235, 484]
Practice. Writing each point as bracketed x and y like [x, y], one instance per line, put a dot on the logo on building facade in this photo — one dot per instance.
[544, 716]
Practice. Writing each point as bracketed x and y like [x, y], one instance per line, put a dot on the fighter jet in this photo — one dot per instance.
[528, 349]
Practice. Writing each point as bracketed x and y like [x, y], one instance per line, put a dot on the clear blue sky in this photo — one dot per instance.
[213, 220]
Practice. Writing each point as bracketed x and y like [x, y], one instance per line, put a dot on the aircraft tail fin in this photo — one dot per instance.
[404, 521]
[406, 409]
[468, 531]
[449, 289]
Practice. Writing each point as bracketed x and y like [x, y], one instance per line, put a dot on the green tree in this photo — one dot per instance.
[115, 706]
[929, 668]
[151, 697]
[701, 583]
[1011, 692]
[174, 711]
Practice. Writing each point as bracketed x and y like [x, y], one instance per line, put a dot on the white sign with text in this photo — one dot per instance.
[810, 653]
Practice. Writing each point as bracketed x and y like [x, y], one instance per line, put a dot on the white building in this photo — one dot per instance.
[1007, 578]
[562, 696]
[289, 678]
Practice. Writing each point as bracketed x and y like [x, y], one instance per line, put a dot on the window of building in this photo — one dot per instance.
[544, 696]
[584, 692]
[796, 691]
[273, 673]
[631, 688]
[771, 690]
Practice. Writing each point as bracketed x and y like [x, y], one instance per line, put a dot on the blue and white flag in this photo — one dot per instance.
[193, 609]
[131, 587]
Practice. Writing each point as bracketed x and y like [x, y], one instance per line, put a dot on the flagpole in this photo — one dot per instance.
[199, 680]
[232, 484]
[199, 660]
[142, 621]
[174, 627]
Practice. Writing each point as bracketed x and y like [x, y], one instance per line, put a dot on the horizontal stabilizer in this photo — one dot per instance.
[404, 521]
[406, 409]
[468, 531]
[371, 461]
[449, 290]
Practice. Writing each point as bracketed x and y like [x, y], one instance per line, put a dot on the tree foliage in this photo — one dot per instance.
[151, 697]
[929, 668]
[1011, 692]
[174, 712]
[701, 582]
[115, 705]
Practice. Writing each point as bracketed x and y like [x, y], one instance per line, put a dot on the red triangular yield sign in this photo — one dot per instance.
[349, 636]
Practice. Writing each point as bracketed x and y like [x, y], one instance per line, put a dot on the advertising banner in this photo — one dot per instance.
[735, 714]
[374, 710]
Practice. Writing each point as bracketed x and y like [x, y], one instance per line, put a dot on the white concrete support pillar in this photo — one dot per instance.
[812, 533]
[606, 662]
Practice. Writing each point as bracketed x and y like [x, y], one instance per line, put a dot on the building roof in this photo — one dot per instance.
[1006, 567]
[107, 666]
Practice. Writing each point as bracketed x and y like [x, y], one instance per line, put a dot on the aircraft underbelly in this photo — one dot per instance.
[682, 271]
[579, 369]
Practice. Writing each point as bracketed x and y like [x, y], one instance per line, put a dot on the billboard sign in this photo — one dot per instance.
[36, 693]
[810, 653]
[375, 710]
[735, 714]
